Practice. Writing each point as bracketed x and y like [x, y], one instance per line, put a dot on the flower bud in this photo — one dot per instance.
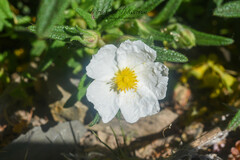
[89, 38]
[183, 37]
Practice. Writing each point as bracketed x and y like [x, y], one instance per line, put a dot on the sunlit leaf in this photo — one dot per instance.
[206, 39]
[38, 47]
[218, 2]
[59, 32]
[50, 13]
[102, 7]
[167, 12]
[5, 8]
[77, 67]
[87, 17]
[158, 35]
[198, 71]
[149, 5]
[169, 55]
[5, 14]
[82, 88]
[3, 56]
[230, 10]
[122, 14]
[23, 20]
[235, 122]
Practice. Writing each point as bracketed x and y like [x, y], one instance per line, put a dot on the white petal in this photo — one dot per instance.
[154, 76]
[104, 99]
[131, 54]
[135, 105]
[103, 64]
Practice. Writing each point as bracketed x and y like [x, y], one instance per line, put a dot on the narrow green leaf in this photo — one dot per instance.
[229, 10]
[47, 64]
[95, 120]
[107, 146]
[1, 23]
[77, 96]
[218, 2]
[5, 8]
[160, 36]
[23, 20]
[3, 56]
[77, 67]
[118, 115]
[169, 55]
[116, 139]
[235, 122]
[59, 32]
[206, 39]
[82, 88]
[167, 12]
[51, 12]
[146, 31]
[55, 49]
[102, 7]
[38, 47]
[87, 4]
[87, 17]
[149, 5]
[5, 14]
[123, 13]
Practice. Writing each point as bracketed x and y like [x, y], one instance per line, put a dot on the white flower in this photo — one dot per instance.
[126, 78]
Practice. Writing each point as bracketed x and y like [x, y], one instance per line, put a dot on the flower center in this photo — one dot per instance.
[125, 79]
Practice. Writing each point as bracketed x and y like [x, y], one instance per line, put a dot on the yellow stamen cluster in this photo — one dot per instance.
[125, 79]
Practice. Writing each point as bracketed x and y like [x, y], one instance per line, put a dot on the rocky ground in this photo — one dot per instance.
[50, 130]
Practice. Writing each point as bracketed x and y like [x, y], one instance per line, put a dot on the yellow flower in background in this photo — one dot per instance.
[126, 78]
[19, 52]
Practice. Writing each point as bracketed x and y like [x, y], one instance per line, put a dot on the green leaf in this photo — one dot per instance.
[82, 88]
[167, 12]
[169, 55]
[59, 32]
[5, 8]
[87, 17]
[218, 2]
[229, 10]
[38, 47]
[128, 12]
[123, 13]
[149, 5]
[102, 7]
[23, 20]
[75, 65]
[1, 23]
[87, 4]
[3, 56]
[77, 96]
[235, 122]
[118, 115]
[95, 120]
[160, 36]
[51, 12]
[146, 31]
[5, 14]
[206, 39]
[55, 49]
